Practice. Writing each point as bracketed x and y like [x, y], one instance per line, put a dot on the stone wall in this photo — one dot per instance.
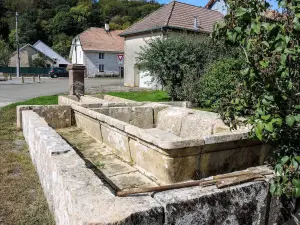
[57, 116]
[77, 196]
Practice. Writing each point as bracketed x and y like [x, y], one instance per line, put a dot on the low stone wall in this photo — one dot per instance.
[77, 196]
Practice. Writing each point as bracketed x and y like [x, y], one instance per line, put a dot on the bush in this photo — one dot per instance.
[218, 82]
[177, 62]
[268, 96]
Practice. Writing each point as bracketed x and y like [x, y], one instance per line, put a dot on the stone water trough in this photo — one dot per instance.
[86, 149]
[172, 144]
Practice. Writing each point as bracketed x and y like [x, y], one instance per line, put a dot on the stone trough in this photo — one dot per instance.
[87, 149]
[171, 144]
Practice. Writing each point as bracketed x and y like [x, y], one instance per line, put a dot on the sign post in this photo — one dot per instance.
[121, 64]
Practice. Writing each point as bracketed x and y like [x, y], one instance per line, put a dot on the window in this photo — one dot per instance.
[101, 68]
[101, 55]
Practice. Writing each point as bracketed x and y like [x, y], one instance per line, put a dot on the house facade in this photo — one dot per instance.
[171, 19]
[100, 50]
[27, 55]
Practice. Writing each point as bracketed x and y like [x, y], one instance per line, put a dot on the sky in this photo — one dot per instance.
[203, 2]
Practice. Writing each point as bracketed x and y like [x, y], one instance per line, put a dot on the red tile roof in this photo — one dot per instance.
[97, 39]
[176, 15]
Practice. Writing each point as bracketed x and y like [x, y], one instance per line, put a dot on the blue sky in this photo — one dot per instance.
[203, 2]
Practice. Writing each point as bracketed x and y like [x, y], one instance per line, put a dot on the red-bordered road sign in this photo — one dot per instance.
[120, 57]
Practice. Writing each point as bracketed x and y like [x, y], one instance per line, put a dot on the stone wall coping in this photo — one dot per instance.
[166, 145]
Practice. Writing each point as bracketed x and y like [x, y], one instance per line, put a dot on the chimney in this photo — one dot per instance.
[196, 23]
[106, 27]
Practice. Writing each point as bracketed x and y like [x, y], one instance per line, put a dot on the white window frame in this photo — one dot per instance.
[101, 55]
[102, 67]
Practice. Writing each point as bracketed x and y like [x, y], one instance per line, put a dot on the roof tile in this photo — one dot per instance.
[97, 39]
[177, 15]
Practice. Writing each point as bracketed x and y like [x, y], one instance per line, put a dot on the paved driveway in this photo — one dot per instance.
[16, 92]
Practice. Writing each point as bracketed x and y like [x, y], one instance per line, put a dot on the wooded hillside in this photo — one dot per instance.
[56, 22]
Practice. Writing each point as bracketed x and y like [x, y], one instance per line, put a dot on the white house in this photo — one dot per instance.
[46, 50]
[170, 19]
[100, 50]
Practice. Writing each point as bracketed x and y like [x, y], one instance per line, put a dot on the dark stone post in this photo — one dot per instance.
[76, 79]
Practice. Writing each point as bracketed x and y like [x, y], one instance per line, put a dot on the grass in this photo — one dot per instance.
[143, 96]
[22, 199]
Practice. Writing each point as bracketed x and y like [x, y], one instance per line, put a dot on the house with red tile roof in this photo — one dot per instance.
[171, 19]
[100, 50]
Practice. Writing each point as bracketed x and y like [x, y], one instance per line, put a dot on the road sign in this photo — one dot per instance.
[120, 57]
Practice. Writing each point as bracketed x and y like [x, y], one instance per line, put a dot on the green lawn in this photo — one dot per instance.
[143, 96]
[21, 196]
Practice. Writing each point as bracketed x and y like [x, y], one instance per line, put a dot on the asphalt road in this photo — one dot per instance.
[15, 92]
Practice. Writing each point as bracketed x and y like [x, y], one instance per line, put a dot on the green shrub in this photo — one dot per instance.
[178, 62]
[218, 82]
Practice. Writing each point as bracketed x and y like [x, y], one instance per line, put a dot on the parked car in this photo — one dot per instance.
[58, 72]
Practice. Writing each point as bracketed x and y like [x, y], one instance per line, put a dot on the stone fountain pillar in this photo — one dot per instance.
[76, 79]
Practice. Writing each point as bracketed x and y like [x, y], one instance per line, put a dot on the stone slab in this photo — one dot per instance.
[118, 141]
[57, 116]
[165, 168]
[131, 180]
[242, 204]
[89, 125]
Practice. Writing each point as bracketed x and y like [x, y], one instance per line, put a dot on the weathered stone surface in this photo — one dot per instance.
[103, 110]
[242, 204]
[232, 160]
[131, 180]
[68, 100]
[202, 124]
[111, 98]
[76, 79]
[117, 140]
[56, 116]
[120, 113]
[75, 194]
[283, 211]
[156, 108]
[142, 117]
[166, 169]
[91, 100]
[89, 125]
[170, 119]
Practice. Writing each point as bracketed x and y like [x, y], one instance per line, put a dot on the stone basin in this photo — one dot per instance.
[168, 144]
[84, 153]
[171, 144]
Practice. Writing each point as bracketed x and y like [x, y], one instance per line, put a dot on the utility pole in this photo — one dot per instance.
[18, 47]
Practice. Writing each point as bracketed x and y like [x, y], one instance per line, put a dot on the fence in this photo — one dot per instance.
[25, 70]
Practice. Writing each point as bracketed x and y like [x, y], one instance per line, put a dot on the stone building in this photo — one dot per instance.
[171, 19]
[100, 50]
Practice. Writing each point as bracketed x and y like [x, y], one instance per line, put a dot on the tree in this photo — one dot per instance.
[39, 62]
[5, 53]
[61, 44]
[268, 95]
